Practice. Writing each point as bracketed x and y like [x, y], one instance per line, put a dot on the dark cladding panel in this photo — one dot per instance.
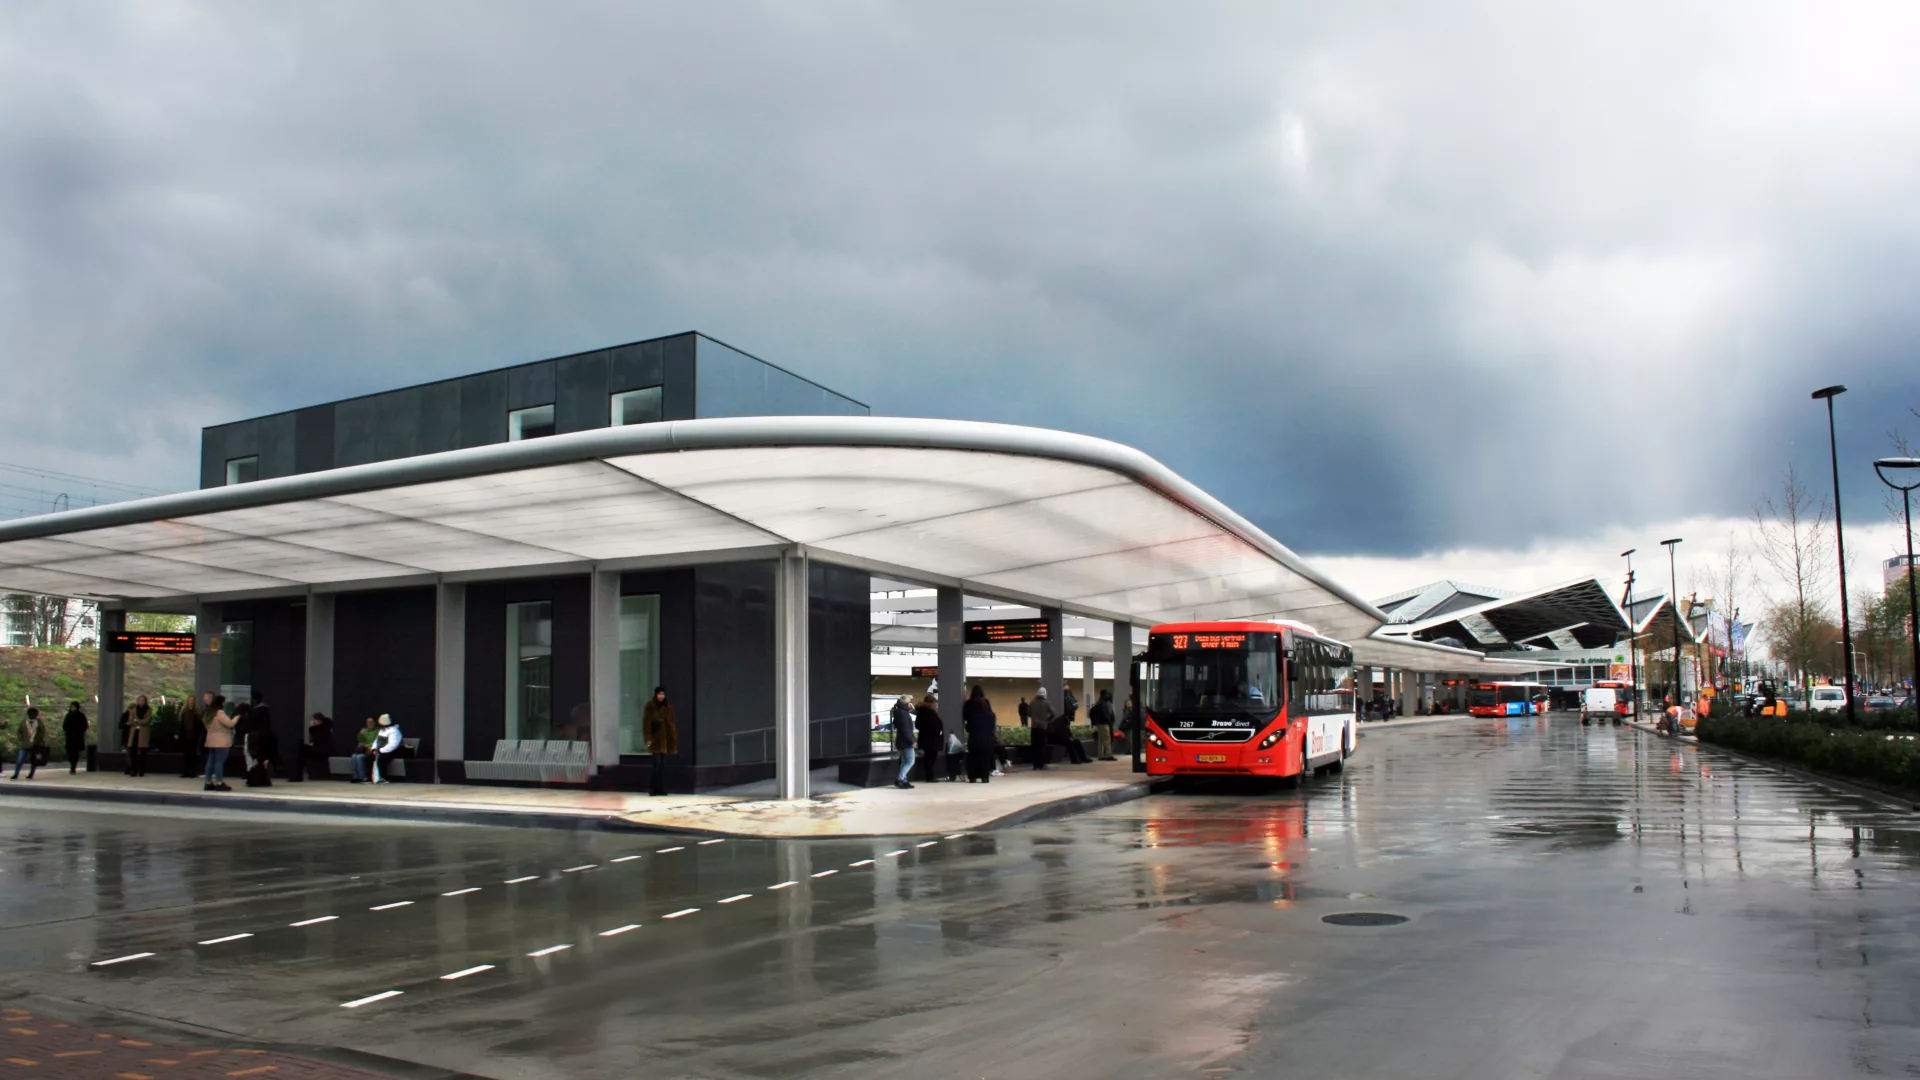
[383, 658]
[439, 406]
[220, 444]
[483, 409]
[313, 439]
[839, 659]
[677, 377]
[581, 403]
[355, 432]
[733, 664]
[529, 385]
[277, 443]
[279, 664]
[632, 367]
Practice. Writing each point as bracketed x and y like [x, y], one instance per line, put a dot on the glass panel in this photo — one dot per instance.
[639, 666]
[243, 470]
[530, 670]
[728, 382]
[1224, 681]
[236, 661]
[531, 423]
[636, 407]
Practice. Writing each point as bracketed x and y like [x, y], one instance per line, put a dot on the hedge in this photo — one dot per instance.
[1880, 755]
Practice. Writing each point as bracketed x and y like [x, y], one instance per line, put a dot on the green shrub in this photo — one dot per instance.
[1888, 756]
[1019, 736]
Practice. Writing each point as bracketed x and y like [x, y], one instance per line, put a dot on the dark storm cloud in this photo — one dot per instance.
[1386, 279]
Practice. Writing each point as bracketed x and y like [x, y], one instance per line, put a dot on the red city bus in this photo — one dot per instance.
[1506, 699]
[1246, 699]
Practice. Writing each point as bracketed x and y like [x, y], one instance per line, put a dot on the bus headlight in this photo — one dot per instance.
[1277, 734]
[1155, 740]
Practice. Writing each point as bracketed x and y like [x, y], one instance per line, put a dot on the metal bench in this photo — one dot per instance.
[554, 761]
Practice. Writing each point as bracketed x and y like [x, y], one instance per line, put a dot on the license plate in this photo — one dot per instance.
[1211, 759]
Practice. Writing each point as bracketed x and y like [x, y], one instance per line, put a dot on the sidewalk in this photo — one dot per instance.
[885, 811]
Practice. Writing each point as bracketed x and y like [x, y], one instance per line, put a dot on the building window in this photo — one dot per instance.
[236, 663]
[639, 666]
[530, 670]
[531, 423]
[636, 406]
[243, 470]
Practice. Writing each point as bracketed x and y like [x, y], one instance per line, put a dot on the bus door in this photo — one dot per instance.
[1137, 734]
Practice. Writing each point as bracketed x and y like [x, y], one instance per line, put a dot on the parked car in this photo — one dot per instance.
[1881, 702]
[1827, 699]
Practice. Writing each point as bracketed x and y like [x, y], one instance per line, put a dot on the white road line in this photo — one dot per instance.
[382, 996]
[825, 873]
[121, 959]
[521, 880]
[224, 940]
[862, 862]
[462, 892]
[626, 858]
[738, 896]
[664, 850]
[704, 843]
[577, 869]
[314, 922]
[929, 843]
[390, 907]
[682, 911]
[955, 836]
[550, 950]
[782, 885]
[618, 930]
[894, 854]
[464, 972]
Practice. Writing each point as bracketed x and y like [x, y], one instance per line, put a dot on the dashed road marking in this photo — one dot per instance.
[618, 930]
[464, 972]
[122, 959]
[955, 836]
[462, 892]
[314, 922]
[390, 907]
[626, 858]
[682, 911]
[704, 843]
[929, 843]
[381, 996]
[224, 940]
[824, 873]
[862, 862]
[782, 885]
[577, 869]
[894, 854]
[665, 850]
[550, 950]
[735, 897]
[521, 880]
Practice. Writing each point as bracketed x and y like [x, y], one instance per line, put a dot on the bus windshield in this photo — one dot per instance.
[1481, 696]
[1241, 677]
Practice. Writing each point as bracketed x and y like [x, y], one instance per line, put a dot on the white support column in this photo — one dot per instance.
[1122, 667]
[113, 687]
[320, 608]
[791, 756]
[1087, 696]
[603, 653]
[951, 642]
[450, 674]
[1409, 693]
[1053, 661]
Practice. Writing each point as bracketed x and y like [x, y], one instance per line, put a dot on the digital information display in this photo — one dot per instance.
[995, 633]
[926, 673]
[1183, 642]
[135, 642]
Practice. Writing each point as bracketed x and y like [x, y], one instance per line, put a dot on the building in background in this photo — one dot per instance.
[1894, 571]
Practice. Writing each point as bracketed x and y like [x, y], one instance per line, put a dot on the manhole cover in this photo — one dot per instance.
[1363, 918]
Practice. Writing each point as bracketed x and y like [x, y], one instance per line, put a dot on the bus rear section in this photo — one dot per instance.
[1222, 699]
[1506, 699]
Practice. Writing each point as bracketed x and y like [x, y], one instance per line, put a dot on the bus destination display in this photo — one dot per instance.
[1209, 641]
[1005, 630]
[133, 641]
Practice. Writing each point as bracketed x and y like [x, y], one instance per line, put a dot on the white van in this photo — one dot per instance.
[1603, 699]
[1827, 699]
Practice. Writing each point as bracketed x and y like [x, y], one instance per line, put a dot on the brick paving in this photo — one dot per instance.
[38, 1047]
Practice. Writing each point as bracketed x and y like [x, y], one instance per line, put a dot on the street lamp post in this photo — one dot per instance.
[1907, 467]
[1673, 609]
[1633, 640]
[1839, 536]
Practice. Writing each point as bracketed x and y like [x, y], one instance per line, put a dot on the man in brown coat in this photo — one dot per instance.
[662, 733]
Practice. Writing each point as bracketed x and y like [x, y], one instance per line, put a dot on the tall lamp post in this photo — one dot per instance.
[1633, 639]
[1673, 609]
[1907, 468]
[1839, 537]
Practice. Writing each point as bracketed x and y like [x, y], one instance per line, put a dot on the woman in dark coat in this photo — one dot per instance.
[981, 731]
[930, 736]
[661, 729]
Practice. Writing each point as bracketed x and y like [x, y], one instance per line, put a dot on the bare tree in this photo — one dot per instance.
[45, 620]
[1726, 582]
[1793, 537]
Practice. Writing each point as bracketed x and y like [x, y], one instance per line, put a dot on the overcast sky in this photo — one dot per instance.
[1392, 280]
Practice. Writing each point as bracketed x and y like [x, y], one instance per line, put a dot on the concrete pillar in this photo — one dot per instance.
[1409, 693]
[603, 668]
[450, 678]
[113, 689]
[1087, 695]
[1122, 668]
[206, 650]
[320, 607]
[950, 611]
[1460, 693]
[1363, 687]
[791, 753]
[1053, 675]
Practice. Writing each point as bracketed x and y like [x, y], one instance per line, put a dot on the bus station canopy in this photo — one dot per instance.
[1576, 614]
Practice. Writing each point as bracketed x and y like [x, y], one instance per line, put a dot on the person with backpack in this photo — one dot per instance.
[33, 744]
[902, 720]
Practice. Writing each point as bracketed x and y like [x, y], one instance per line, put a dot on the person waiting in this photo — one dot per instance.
[929, 736]
[33, 744]
[75, 727]
[219, 743]
[385, 747]
[314, 749]
[902, 720]
[363, 751]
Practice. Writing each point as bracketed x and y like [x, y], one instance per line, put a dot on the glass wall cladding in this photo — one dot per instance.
[639, 666]
[530, 670]
[236, 660]
[243, 470]
[635, 406]
[533, 423]
[728, 382]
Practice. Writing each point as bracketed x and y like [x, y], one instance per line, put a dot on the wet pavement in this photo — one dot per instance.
[1579, 902]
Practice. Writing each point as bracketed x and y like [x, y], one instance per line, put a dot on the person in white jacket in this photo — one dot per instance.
[385, 745]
